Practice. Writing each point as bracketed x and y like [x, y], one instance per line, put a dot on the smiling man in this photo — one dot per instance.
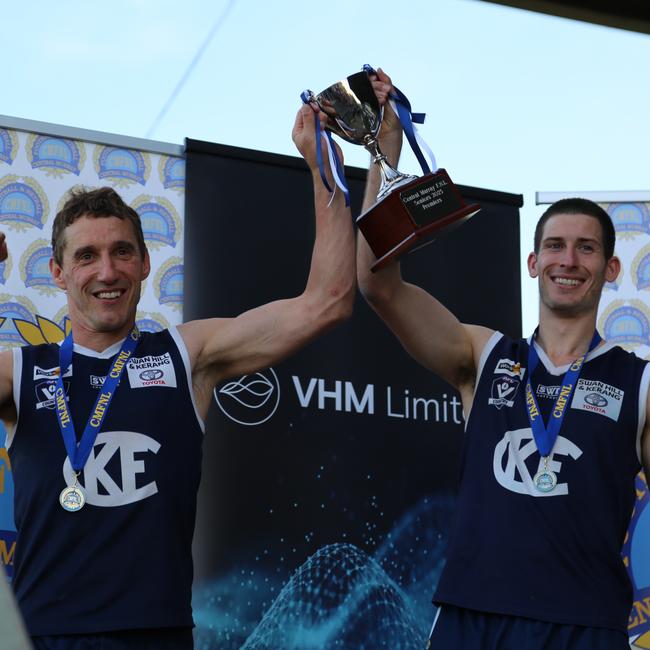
[105, 430]
[556, 432]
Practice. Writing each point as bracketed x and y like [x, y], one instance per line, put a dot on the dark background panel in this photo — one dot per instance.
[310, 476]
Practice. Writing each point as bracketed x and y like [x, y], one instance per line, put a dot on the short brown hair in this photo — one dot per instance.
[579, 206]
[101, 202]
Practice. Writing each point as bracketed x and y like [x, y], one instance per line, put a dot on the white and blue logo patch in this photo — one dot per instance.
[55, 156]
[49, 374]
[547, 392]
[629, 218]
[160, 221]
[151, 371]
[503, 392]
[97, 381]
[22, 204]
[510, 368]
[626, 324]
[597, 397]
[169, 283]
[122, 166]
[8, 146]
[35, 268]
[172, 172]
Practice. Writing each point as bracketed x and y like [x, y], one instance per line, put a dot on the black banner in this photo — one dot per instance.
[328, 480]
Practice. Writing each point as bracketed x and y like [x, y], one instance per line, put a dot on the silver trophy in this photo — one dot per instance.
[354, 114]
[410, 210]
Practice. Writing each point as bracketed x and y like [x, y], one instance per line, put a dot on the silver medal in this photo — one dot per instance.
[72, 498]
[545, 481]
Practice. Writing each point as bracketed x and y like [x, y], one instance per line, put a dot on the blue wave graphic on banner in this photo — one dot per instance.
[340, 597]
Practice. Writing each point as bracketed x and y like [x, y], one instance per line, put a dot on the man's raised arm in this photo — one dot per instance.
[427, 330]
[221, 348]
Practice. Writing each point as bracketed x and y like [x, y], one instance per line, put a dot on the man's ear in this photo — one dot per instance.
[146, 266]
[57, 274]
[613, 268]
[532, 265]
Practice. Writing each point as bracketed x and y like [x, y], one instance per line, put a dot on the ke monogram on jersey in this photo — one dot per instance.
[554, 555]
[123, 560]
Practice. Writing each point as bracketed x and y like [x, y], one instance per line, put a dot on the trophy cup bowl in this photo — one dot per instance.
[410, 211]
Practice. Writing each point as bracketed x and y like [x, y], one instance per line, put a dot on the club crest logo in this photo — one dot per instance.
[169, 283]
[629, 219]
[122, 166]
[22, 203]
[503, 392]
[46, 393]
[637, 561]
[627, 324]
[35, 268]
[251, 399]
[172, 172]
[151, 322]
[55, 156]
[516, 461]
[102, 487]
[641, 268]
[7, 526]
[161, 224]
[8, 146]
[14, 307]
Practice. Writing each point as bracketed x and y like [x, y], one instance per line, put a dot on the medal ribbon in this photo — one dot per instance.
[408, 120]
[545, 436]
[78, 453]
[338, 173]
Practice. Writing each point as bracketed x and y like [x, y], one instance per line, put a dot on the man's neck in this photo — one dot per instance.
[98, 341]
[565, 339]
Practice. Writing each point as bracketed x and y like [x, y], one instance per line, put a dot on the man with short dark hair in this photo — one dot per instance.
[112, 568]
[534, 556]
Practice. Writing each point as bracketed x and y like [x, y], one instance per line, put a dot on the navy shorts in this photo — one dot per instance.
[176, 638]
[465, 629]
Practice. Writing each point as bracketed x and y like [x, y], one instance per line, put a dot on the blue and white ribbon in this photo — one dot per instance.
[338, 172]
[402, 107]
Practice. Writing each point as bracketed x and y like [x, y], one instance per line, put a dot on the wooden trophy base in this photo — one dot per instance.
[413, 215]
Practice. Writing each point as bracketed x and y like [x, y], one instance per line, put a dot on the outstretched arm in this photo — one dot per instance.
[426, 329]
[224, 347]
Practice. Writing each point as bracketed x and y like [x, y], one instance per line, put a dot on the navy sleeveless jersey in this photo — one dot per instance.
[550, 556]
[124, 560]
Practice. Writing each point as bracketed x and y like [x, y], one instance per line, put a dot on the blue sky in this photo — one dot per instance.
[515, 101]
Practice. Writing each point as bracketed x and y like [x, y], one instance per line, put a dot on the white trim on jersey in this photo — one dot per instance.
[487, 349]
[182, 349]
[644, 385]
[552, 369]
[17, 376]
